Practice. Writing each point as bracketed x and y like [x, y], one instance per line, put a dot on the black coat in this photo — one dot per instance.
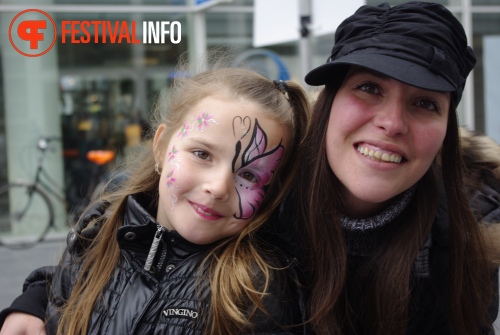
[429, 304]
[431, 281]
[167, 299]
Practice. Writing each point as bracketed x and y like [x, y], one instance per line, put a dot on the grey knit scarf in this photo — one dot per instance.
[362, 234]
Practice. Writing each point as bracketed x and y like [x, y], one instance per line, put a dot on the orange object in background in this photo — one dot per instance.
[100, 157]
[133, 134]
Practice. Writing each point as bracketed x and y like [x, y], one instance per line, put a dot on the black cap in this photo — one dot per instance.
[419, 43]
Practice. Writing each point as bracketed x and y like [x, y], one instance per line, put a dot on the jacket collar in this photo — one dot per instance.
[140, 226]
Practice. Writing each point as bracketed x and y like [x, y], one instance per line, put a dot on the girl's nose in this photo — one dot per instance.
[219, 186]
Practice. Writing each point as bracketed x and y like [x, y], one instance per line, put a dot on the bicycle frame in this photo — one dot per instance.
[31, 214]
[19, 214]
[43, 145]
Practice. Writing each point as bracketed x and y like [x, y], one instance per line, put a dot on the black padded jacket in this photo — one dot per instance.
[168, 298]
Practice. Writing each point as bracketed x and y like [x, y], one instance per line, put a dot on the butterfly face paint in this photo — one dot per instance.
[256, 170]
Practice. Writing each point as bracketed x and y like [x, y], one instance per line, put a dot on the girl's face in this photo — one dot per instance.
[217, 168]
[382, 137]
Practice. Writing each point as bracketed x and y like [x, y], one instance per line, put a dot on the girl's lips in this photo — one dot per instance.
[205, 212]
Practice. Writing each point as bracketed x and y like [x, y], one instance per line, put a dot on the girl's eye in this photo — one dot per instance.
[249, 176]
[369, 87]
[428, 104]
[202, 155]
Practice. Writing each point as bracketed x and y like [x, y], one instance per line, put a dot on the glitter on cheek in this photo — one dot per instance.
[171, 177]
[171, 154]
[199, 123]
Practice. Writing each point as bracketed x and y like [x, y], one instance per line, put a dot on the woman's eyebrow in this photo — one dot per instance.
[384, 77]
[362, 70]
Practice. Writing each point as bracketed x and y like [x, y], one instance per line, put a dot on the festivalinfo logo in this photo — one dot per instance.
[33, 32]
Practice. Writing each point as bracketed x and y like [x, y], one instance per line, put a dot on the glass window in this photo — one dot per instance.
[398, 2]
[107, 2]
[101, 93]
[486, 2]
[486, 29]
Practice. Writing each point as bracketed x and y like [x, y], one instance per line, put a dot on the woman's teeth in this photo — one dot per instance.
[379, 155]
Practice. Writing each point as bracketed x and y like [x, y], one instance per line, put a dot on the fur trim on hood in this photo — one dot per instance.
[481, 154]
[482, 169]
[491, 235]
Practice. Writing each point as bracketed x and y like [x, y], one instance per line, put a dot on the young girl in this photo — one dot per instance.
[176, 250]
[394, 245]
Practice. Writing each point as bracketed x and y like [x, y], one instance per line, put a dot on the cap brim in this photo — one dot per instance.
[399, 69]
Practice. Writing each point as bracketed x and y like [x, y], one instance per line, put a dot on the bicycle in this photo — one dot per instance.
[26, 209]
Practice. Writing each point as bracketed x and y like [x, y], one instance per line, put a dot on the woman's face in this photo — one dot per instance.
[382, 137]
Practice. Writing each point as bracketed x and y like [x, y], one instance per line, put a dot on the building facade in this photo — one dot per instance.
[98, 94]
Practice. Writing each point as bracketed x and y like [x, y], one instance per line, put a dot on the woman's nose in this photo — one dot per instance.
[392, 118]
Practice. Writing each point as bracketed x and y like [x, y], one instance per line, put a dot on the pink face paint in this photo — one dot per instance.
[199, 123]
[170, 179]
[184, 130]
[262, 165]
[171, 154]
[203, 120]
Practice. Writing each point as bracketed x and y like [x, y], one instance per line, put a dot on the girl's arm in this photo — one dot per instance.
[31, 305]
[22, 324]
[27, 312]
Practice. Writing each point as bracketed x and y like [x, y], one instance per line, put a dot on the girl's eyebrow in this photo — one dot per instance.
[204, 142]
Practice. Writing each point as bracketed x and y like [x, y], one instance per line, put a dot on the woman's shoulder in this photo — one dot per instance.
[284, 301]
[481, 156]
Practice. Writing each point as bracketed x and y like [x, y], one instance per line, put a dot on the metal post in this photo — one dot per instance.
[305, 39]
[468, 95]
[197, 43]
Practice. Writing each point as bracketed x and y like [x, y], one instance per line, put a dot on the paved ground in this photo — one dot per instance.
[15, 265]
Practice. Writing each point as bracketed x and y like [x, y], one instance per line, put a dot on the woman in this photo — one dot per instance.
[395, 248]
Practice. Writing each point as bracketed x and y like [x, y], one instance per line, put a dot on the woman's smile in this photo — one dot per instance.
[379, 154]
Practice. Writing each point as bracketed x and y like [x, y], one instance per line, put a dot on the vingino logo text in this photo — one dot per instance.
[185, 312]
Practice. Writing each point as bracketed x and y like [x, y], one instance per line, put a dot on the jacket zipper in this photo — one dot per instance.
[154, 247]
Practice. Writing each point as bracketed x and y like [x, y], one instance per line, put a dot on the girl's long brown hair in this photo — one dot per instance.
[376, 298]
[232, 265]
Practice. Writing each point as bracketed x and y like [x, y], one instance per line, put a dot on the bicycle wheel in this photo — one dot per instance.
[26, 214]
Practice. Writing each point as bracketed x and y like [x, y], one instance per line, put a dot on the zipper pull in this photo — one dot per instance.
[154, 248]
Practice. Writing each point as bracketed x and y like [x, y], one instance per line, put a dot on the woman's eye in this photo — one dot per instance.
[369, 87]
[249, 176]
[429, 105]
[202, 155]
